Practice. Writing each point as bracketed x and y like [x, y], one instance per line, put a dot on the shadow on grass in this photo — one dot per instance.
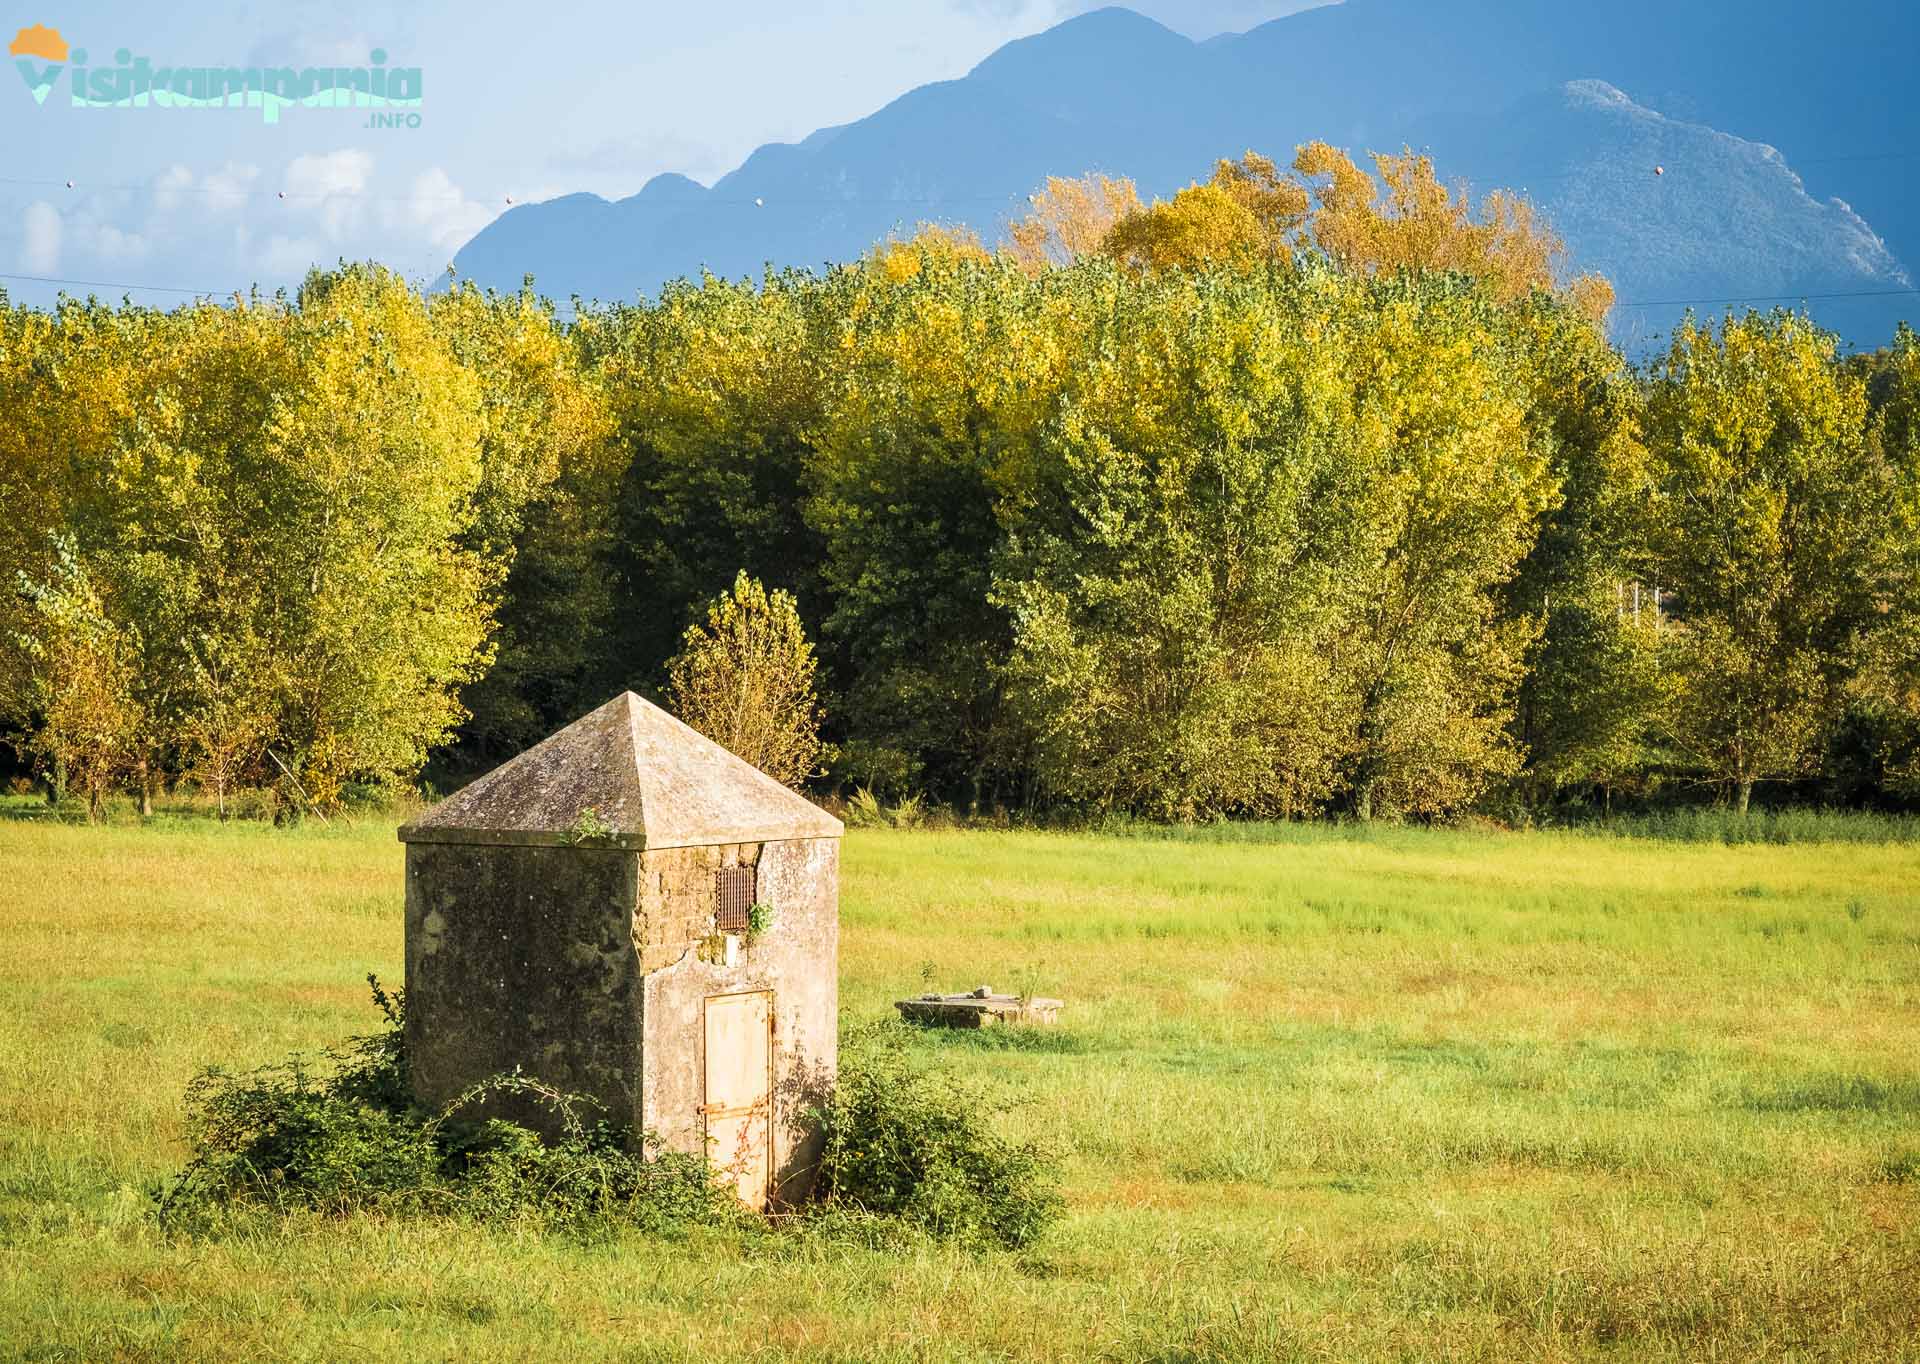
[1045, 1041]
[1838, 1094]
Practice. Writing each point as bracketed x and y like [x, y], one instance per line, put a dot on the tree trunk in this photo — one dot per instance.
[57, 781]
[1368, 770]
[1746, 795]
[146, 790]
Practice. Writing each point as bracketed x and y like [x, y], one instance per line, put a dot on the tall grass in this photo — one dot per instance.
[1685, 824]
[1710, 824]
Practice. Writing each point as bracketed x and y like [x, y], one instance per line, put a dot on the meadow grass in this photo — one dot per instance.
[1319, 1094]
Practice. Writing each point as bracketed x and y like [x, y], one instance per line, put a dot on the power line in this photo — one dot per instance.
[217, 191]
[109, 284]
[705, 197]
[565, 309]
[1767, 298]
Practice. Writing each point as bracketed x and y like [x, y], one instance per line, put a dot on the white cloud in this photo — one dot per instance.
[439, 212]
[228, 190]
[107, 243]
[1030, 11]
[286, 260]
[42, 231]
[341, 172]
[311, 47]
[235, 225]
[333, 184]
[171, 188]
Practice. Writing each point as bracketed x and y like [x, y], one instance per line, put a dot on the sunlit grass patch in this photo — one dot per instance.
[1320, 1093]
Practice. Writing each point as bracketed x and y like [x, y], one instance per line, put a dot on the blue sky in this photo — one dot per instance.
[521, 102]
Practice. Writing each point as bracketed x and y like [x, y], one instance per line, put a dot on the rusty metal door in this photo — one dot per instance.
[739, 1106]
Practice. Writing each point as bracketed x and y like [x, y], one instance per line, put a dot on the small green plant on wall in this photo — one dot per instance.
[588, 828]
[759, 918]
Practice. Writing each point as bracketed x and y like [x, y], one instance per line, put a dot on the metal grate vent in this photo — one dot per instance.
[732, 899]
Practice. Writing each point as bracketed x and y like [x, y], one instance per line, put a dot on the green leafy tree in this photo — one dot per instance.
[542, 516]
[82, 676]
[157, 506]
[1589, 702]
[745, 679]
[1262, 560]
[940, 384]
[271, 503]
[31, 490]
[1453, 482]
[1885, 693]
[67, 382]
[1164, 576]
[713, 393]
[1772, 525]
[366, 473]
[229, 720]
[1593, 696]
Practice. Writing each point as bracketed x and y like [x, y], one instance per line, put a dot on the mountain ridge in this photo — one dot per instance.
[1487, 86]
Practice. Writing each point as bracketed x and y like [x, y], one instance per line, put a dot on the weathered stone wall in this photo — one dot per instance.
[523, 956]
[797, 958]
[676, 898]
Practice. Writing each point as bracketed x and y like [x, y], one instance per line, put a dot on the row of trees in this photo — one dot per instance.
[1301, 490]
[267, 538]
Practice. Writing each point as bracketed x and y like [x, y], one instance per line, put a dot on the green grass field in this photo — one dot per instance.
[1321, 1094]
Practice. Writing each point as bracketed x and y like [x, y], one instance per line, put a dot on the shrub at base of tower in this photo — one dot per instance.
[905, 1142]
[339, 1133]
[908, 1151]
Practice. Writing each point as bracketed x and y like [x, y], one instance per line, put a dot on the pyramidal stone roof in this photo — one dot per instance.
[628, 775]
